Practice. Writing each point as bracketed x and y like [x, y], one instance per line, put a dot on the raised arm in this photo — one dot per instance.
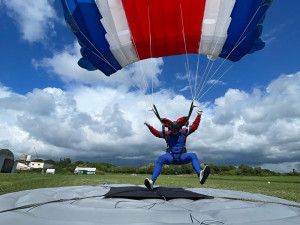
[196, 122]
[155, 132]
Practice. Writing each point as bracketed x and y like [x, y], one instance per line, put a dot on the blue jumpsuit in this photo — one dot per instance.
[176, 144]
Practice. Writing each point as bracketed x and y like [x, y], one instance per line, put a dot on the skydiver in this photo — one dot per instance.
[176, 153]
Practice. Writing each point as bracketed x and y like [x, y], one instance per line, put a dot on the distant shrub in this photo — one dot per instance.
[100, 172]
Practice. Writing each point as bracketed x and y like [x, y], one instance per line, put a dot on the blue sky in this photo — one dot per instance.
[49, 103]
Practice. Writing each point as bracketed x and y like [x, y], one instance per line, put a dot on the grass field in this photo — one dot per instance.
[285, 187]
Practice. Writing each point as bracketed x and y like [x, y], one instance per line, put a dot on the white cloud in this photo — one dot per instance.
[216, 82]
[137, 75]
[262, 125]
[102, 123]
[180, 76]
[271, 35]
[34, 18]
[186, 88]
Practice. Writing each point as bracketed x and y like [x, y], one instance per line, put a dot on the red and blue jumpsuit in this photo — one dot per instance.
[176, 144]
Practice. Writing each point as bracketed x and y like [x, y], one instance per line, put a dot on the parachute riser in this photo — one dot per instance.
[154, 109]
[189, 115]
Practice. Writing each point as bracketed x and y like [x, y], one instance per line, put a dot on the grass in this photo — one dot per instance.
[280, 186]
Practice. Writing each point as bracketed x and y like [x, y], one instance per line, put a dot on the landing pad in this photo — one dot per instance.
[90, 205]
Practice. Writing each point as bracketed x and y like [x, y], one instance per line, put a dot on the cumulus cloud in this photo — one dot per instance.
[64, 65]
[104, 123]
[261, 127]
[34, 18]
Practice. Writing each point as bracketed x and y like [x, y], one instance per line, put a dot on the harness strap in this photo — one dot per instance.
[183, 150]
[165, 135]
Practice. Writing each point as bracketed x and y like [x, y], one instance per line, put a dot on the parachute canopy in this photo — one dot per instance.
[116, 33]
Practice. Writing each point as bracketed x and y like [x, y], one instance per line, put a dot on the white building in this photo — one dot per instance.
[41, 165]
[22, 166]
[50, 171]
[85, 170]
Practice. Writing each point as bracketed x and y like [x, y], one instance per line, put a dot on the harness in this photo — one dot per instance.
[166, 123]
[183, 150]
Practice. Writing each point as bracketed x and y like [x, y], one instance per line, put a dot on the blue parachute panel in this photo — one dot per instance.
[245, 28]
[84, 22]
[70, 5]
[84, 62]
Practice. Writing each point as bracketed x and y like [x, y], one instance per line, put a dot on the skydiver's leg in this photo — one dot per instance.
[191, 158]
[163, 159]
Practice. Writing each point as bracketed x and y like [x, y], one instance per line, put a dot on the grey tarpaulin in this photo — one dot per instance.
[87, 205]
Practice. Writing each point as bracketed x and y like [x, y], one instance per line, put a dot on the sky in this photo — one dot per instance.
[52, 109]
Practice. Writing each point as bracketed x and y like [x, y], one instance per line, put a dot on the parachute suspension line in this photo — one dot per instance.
[186, 55]
[199, 90]
[197, 68]
[240, 40]
[132, 83]
[196, 75]
[203, 75]
[142, 84]
[203, 78]
[121, 51]
[149, 27]
[222, 64]
[249, 24]
[144, 80]
[141, 67]
[215, 81]
[211, 62]
[106, 61]
[150, 40]
[116, 42]
[100, 56]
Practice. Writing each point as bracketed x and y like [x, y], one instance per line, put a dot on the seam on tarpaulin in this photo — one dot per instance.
[257, 200]
[34, 205]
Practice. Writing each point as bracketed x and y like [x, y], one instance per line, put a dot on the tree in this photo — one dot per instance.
[79, 163]
[246, 170]
[50, 161]
[257, 171]
[67, 161]
[38, 160]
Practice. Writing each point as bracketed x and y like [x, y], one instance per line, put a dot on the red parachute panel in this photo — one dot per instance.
[166, 32]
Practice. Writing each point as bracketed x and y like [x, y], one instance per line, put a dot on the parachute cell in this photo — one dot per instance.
[116, 33]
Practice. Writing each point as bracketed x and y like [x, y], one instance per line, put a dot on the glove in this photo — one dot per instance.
[147, 124]
[199, 112]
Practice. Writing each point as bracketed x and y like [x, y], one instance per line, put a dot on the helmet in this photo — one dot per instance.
[174, 126]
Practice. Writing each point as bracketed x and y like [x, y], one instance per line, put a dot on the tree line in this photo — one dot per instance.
[67, 166]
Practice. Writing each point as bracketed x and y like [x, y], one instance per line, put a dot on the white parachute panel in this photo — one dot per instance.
[118, 34]
[216, 22]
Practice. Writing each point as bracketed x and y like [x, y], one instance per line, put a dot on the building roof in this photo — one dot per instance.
[6, 153]
[85, 168]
